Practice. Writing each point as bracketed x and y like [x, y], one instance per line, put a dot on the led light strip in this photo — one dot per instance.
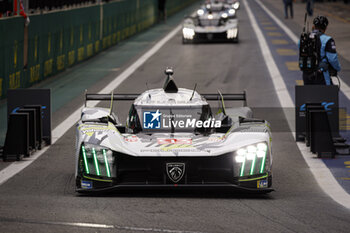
[242, 168]
[106, 162]
[95, 160]
[252, 166]
[85, 160]
[263, 163]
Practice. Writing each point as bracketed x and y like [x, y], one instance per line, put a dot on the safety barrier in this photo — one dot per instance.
[57, 40]
[317, 120]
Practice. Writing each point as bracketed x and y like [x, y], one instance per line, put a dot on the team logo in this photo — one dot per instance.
[327, 106]
[175, 171]
[151, 120]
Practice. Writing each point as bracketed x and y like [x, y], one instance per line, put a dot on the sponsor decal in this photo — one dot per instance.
[132, 138]
[151, 120]
[262, 184]
[175, 149]
[175, 171]
[216, 139]
[326, 105]
[85, 184]
[181, 141]
[90, 130]
[157, 120]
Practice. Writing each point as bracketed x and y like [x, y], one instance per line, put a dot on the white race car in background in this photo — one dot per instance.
[214, 21]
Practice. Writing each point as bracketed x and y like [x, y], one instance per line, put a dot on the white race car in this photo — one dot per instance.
[215, 21]
[172, 140]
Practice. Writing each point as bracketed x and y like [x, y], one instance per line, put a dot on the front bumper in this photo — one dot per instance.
[212, 36]
[250, 186]
[136, 172]
[216, 187]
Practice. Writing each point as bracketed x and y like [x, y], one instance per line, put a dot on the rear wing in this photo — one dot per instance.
[130, 97]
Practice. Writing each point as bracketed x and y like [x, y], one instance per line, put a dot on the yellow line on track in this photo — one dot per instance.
[270, 28]
[286, 52]
[299, 82]
[292, 65]
[279, 42]
[274, 34]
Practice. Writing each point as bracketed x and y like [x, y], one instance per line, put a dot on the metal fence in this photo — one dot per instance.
[55, 41]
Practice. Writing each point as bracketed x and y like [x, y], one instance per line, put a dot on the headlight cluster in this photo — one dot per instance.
[232, 33]
[231, 11]
[200, 12]
[251, 160]
[188, 33]
[97, 160]
[235, 5]
[224, 15]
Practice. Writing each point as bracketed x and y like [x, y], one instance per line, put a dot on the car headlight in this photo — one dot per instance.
[251, 160]
[188, 33]
[224, 15]
[96, 160]
[200, 12]
[232, 33]
[231, 11]
[235, 5]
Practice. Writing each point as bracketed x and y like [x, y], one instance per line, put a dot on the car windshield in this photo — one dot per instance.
[170, 119]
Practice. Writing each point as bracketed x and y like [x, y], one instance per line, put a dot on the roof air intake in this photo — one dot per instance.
[169, 85]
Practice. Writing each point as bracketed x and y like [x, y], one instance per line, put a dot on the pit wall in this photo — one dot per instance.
[55, 41]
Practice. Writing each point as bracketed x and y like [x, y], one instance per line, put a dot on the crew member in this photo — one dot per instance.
[329, 64]
[162, 10]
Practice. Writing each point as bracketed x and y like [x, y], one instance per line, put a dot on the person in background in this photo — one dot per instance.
[310, 7]
[6, 8]
[288, 3]
[162, 10]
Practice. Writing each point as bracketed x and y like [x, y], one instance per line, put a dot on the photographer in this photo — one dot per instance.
[328, 64]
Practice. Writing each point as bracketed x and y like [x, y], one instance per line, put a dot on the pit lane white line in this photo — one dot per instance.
[323, 176]
[64, 126]
[95, 225]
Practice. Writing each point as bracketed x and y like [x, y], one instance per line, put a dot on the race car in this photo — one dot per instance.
[235, 4]
[172, 139]
[215, 21]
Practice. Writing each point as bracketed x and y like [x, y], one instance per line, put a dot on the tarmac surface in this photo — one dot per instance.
[41, 198]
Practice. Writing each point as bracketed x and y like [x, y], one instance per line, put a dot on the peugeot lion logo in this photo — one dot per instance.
[175, 171]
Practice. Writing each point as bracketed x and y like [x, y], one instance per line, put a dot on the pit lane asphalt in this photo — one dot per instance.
[41, 198]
